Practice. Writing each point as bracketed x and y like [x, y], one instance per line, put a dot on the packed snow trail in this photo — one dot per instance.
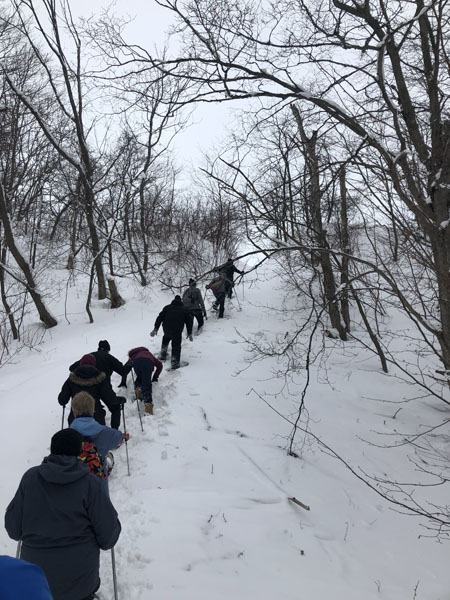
[205, 511]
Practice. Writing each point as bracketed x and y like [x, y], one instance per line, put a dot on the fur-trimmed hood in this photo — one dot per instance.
[85, 376]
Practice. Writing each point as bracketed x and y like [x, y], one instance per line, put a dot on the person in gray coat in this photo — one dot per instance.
[63, 517]
[194, 305]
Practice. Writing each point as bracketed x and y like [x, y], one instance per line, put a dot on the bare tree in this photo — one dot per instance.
[44, 314]
[66, 78]
[378, 70]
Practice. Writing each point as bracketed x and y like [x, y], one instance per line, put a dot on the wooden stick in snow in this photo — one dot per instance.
[295, 501]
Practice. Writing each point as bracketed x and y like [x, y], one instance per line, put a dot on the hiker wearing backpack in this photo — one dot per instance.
[98, 439]
[173, 318]
[218, 286]
[63, 517]
[229, 269]
[87, 378]
[143, 362]
[194, 305]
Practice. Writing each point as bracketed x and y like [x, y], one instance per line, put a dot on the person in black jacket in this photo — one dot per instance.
[87, 378]
[219, 286]
[173, 318]
[63, 517]
[104, 361]
[228, 269]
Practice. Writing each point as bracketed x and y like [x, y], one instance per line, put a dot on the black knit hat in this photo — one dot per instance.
[192, 281]
[66, 442]
[104, 345]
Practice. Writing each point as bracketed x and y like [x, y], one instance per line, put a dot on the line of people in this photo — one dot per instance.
[61, 513]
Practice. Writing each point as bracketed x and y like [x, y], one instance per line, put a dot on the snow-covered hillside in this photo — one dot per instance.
[205, 512]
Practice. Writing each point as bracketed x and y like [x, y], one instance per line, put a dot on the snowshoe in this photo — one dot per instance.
[174, 366]
[109, 463]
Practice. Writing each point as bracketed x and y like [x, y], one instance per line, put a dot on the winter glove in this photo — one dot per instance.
[205, 315]
[121, 400]
[153, 333]
[154, 379]
[125, 436]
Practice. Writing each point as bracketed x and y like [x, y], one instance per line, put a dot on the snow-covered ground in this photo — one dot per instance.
[205, 512]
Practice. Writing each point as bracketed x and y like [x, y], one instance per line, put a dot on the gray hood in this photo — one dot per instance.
[62, 470]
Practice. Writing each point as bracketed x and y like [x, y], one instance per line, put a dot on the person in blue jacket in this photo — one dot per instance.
[63, 517]
[105, 438]
[20, 579]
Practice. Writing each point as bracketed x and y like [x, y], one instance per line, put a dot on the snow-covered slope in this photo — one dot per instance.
[205, 511]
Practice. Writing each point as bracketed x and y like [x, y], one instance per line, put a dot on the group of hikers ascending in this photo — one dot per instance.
[61, 514]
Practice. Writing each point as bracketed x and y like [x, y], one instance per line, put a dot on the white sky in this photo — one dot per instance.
[148, 28]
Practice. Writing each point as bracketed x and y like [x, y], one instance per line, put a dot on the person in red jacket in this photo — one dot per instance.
[143, 362]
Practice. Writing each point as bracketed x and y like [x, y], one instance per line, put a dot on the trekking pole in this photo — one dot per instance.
[137, 403]
[126, 441]
[62, 420]
[113, 561]
[239, 304]
[19, 548]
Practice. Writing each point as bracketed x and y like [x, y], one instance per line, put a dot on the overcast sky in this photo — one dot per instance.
[149, 29]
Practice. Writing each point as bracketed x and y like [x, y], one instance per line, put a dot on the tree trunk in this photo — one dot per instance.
[127, 220]
[322, 253]
[345, 245]
[115, 297]
[12, 322]
[96, 254]
[44, 314]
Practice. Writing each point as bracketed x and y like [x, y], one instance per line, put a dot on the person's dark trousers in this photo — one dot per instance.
[228, 290]
[190, 319]
[143, 367]
[99, 414]
[176, 349]
[220, 301]
[175, 338]
[199, 316]
[114, 409]
[164, 346]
